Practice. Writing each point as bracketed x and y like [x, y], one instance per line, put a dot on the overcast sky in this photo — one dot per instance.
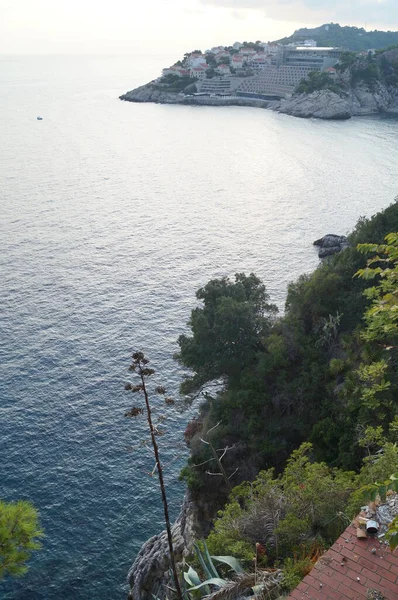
[124, 26]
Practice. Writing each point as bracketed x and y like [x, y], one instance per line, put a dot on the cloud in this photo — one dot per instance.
[356, 11]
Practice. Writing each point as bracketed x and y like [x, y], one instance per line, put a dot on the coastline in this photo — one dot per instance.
[322, 104]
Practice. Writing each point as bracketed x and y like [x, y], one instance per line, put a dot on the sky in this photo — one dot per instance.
[175, 26]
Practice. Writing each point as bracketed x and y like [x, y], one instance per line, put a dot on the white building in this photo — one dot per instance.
[196, 60]
[198, 72]
[273, 49]
[224, 69]
[237, 61]
[176, 70]
[310, 44]
[259, 63]
[247, 51]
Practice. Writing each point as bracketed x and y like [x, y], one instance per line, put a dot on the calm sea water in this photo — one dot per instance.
[113, 214]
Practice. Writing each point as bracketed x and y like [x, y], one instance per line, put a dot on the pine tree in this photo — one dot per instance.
[19, 536]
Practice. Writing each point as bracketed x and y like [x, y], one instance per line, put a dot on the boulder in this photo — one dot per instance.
[320, 105]
[331, 244]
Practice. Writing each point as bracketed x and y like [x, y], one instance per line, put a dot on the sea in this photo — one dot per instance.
[112, 215]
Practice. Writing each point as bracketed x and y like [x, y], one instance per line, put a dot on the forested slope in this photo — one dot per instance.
[300, 377]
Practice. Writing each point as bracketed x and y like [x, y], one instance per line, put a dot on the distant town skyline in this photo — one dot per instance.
[173, 26]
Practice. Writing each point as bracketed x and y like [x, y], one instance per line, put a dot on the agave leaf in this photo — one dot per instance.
[231, 561]
[206, 562]
[192, 577]
[212, 581]
[203, 563]
[212, 568]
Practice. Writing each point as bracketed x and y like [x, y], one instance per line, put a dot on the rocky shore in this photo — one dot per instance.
[331, 244]
[150, 93]
[149, 573]
[323, 104]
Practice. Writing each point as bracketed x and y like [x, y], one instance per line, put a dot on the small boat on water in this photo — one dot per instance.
[39, 118]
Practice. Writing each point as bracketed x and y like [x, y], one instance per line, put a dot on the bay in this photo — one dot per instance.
[112, 215]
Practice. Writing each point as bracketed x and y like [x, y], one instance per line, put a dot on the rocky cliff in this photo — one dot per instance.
[365, 100]
[320, 105]
[150, 571]
[150, 93]
[360, 100]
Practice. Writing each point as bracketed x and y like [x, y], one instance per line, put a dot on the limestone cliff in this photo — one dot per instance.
[360, 100]
[149, 573]
[320, 105]
[379, 98]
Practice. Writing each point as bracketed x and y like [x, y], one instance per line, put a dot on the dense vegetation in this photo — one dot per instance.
[289, 520]
[318, 81]
[309, 401]
[174, 83]
[299, 378]
[351, 38]
[353, 70]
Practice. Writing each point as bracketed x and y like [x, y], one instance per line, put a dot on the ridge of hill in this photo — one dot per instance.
[352, 38]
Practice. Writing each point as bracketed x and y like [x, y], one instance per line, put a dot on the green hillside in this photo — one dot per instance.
[351, 38]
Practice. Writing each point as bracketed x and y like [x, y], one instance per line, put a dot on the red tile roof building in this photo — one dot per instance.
[353, 569]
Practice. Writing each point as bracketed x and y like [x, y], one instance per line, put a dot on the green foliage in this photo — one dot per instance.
[382, 316]
[377, 373]
[392, 534]
[346, 60]
[367, 73]
[314, 374]
[192, 478]
[297, 515]
[294, 570]
[337, 366]
[285, 513]
[20, 533]
[260, 583]
[229, 329]
[316, 81]
[325, 372]
[174, 83]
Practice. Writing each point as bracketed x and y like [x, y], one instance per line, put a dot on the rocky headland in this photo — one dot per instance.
[322, 104]
[151, 93]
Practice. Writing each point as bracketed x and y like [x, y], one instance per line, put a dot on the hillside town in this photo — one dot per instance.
[257, 70]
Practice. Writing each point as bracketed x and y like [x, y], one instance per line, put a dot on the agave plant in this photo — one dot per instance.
[262, 583]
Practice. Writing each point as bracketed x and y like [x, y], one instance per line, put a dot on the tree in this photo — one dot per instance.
[382, 316]
[139, 366]
[382, 325]
[228, 329]
[19, 536]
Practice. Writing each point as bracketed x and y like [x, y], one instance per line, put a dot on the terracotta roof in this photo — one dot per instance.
[351, 570]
